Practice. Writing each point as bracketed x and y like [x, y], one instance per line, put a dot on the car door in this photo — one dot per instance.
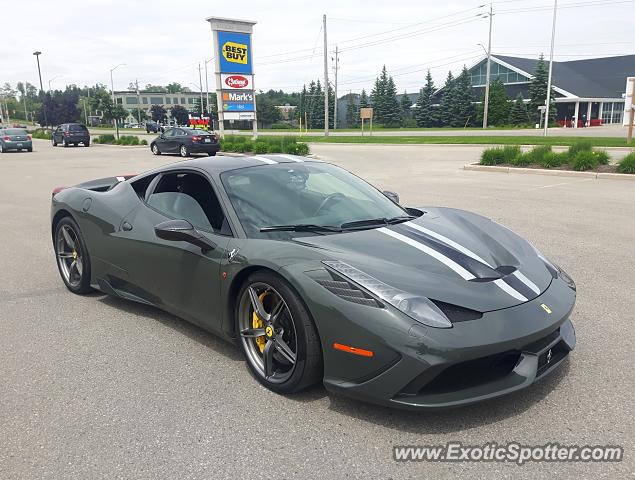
[57, 134]
[166, 141]
[181, 138]
[177, 275]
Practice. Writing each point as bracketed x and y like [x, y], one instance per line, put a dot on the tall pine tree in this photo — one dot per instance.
[352, 111]
[406, 107]
[499, 105]
[386, 109]
[518, 114]
[364, 102]
[538, 91]
[462, 107]
[447, 101]
[425, 114]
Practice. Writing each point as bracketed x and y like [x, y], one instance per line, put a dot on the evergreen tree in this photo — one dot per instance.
[424, 113]
[331, 107]
[352, 111]
[316, 113]
[538, 91]
[393, 112]
[447, 101]
[364, 102]
[462, 107]
[378, 95]
[499, 105]
[518, 114]
[406, 107]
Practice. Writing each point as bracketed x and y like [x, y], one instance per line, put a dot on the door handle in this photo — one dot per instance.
[126, 227]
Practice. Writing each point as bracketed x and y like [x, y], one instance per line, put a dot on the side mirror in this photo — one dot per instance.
[183, 231]
[392, 196]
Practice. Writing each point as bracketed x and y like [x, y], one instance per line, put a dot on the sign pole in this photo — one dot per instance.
[629, 138]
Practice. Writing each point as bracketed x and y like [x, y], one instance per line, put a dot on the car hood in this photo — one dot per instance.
[448, 255]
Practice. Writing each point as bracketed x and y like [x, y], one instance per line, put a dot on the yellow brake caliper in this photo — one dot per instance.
[257, 322]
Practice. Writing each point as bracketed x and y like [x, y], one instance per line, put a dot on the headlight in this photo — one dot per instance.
[555, 270]
[417, 307]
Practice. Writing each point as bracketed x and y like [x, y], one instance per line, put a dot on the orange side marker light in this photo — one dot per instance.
[353, 350]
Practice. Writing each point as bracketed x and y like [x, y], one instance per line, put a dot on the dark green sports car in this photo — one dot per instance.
[320, 277]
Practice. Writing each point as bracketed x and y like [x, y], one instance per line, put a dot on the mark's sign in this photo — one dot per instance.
[238, 96]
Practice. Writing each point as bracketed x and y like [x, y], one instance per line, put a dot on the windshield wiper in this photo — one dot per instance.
[301, 227]
[374, 222]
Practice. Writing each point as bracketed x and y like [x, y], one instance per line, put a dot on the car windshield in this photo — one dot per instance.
[15, 131]
[310, 196]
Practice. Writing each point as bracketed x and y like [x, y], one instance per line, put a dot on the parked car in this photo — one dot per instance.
[154, 127]
[71, 134]
[132, 125]
[15, 139]
[185, 141]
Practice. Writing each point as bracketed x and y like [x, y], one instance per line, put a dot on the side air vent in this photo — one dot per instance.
[457, 314]
[349, 292]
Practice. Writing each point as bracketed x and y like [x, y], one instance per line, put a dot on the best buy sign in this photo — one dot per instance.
[235, 52]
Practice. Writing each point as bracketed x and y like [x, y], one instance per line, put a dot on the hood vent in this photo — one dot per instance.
[455, 313]
[349, 292]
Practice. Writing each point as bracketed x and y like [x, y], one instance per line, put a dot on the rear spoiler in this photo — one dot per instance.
[99, 185]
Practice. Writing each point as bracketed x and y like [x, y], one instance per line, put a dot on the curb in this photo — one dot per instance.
[110, 145]
[543, 171]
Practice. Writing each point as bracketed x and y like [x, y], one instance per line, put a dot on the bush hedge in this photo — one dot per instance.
[281, 144]
[41, 134]
[109, 139]
[498, 155]
[627, 165]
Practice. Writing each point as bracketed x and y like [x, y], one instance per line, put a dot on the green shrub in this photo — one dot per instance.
[627, 165]
[290, 148]
[281, 126]
[523, 159]
[584, 160]
[581, 146]
[41, 134]
[601, 156]
[105, 138]
[143, 142]
[303, 149]
[553, 159]
[260, 147]
[498, 155]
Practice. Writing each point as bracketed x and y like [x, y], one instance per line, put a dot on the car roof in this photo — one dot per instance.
[221, 163]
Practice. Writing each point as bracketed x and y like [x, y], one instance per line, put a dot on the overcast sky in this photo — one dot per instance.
[163, 41]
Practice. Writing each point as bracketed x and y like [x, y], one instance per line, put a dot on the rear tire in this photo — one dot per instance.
[53, 142]
[1, 148]
[64, 143]
[298, 331]
[87, 144]
[29, 149]
[72, 257]
[211, 154]
[184, 151]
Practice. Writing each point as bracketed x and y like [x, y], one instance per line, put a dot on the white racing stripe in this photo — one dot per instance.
[264, 159]
[430, 251]
[527, 282]
[289, 157]
[501, 284]
[509, 290]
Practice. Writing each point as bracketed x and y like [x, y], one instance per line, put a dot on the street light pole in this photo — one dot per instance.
[487, 74]
[206, 85]
[553, 37]
[326, 82]
[39, 72]
[200, 84]
[50, 80]
[112, 92]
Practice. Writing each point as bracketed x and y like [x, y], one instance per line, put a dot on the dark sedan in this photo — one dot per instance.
[15, 139]
[185, 141]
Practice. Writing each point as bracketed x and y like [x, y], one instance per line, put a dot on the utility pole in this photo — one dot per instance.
[112, 92]
[136, 82]
[26, 115]
[631, 113]
[39, 72]
[326, 82]
[207, 87]
[336, 67]
[553, 37]
[200, 84]
[487, 74]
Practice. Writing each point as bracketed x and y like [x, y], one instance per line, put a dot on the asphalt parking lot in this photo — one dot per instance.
[95, 387]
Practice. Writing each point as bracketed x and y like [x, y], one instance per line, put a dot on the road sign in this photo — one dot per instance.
[365, 113]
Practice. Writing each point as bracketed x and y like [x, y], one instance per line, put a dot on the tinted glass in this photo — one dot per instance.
[15, 131]
[77, 128]
[288, 194]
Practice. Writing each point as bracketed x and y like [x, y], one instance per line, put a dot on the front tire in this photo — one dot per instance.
[155, 149]
[278, 337]
[72, 257]
[184, 151]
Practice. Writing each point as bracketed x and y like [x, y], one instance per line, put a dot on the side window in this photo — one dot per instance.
[169, 132]
[189, 196]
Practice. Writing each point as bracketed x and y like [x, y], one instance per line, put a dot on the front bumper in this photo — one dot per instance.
[419, 367]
